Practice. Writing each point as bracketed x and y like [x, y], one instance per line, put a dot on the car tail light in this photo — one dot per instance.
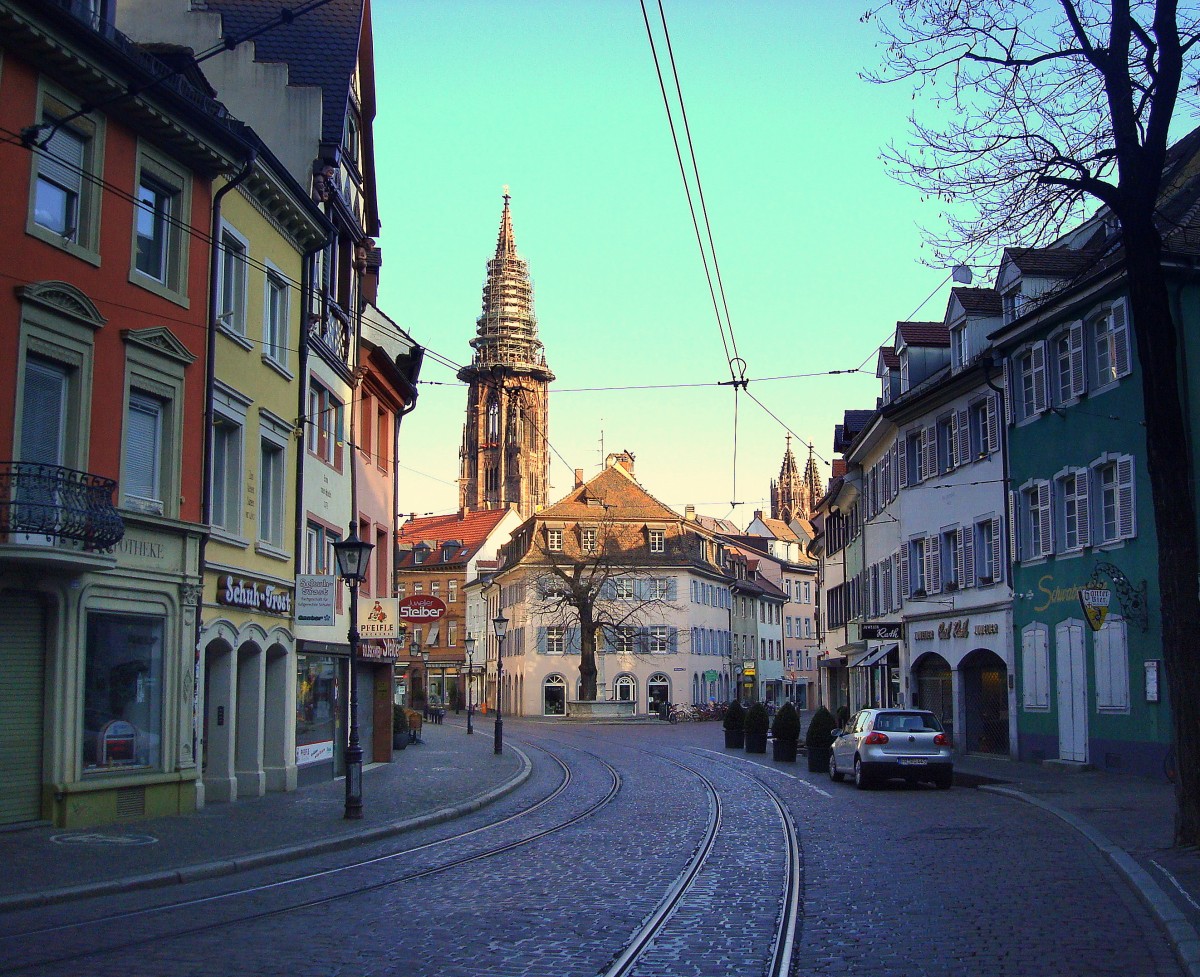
[875, 739]
[942, 740]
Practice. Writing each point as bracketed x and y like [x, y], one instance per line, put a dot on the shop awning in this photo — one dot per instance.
[875, 656]
[832, 663]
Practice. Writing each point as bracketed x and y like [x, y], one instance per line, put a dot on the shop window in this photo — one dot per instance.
[123, 692]
[316, 702]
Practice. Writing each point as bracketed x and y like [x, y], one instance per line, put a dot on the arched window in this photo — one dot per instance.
[625, 688]
[658, 689]
[492, 432]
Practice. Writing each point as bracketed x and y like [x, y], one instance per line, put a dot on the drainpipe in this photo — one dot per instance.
[410, 404]
[210, 380]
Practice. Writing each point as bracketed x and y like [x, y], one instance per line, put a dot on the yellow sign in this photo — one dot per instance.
[1095, 601]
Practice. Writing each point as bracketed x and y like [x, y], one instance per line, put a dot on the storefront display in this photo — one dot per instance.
[316, 708]
[123, 692]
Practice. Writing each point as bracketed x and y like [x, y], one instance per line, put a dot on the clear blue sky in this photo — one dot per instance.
[819, 249]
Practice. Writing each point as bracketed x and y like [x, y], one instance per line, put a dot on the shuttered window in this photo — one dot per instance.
[143, 452]
[60, 169]
[1111, 647]
[43, 412]
[1035, 667]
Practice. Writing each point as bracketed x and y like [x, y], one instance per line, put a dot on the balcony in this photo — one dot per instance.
[58, 516]
[333, 332]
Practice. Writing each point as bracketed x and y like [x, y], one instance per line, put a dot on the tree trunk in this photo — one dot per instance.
[1168, 461]
[587, 663]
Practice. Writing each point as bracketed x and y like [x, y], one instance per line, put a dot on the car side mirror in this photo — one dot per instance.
[835, 733]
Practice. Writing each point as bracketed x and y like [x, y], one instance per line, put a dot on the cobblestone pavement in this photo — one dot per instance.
[897, 881]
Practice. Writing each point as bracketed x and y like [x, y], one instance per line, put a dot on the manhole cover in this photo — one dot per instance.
[95, 838]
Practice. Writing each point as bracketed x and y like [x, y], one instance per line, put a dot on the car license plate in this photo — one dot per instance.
[913, 762]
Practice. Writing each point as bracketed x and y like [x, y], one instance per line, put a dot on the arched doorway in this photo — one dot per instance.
[933, 688]
[658, 690]
[985, 702]
[625, 688]
[554, 696]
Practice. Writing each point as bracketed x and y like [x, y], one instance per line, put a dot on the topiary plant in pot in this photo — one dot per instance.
[399, 728]
[735, 717]
[786, 730]
[757, 724]
[819, 740]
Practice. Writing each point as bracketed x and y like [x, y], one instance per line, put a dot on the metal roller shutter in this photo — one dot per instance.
[22, 657]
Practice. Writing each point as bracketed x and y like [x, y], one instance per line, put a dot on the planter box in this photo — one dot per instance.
[818, 758]
[756, 742]
[735, 739]
[784, 750]
[399, 740]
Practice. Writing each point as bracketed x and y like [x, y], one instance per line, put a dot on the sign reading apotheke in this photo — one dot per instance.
[254, 595]
[378, 617]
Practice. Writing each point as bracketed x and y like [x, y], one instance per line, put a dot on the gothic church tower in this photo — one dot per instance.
[795, 496]
[504, 459]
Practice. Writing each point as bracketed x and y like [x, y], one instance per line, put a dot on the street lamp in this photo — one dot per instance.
[500, 623]
[352, 555]
[470, 643]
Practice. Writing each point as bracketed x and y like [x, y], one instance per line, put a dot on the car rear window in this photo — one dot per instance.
[907, 722]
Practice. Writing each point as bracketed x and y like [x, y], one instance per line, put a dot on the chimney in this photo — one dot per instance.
[758, 514]
[579, 478]
[689, 513]
[623, 459]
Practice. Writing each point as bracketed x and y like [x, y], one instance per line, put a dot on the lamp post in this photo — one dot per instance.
[470, 643]
[500, 623]
[414, 655]
[352, 555]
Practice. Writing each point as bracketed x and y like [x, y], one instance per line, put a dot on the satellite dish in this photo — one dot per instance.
[962, 274]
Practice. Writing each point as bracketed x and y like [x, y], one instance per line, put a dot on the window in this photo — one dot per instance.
[64, 190]
[1012, 302]
[227, 475]
[1111, 647]
[493, 421]
[1035, 667]
[1115, 518]
[623, 588]
[587, 540]
[917, 573]
[275, 320]
[657, 588]
[123, 692]
[435, 588]
[157, 206]
[143, 453]
[984, 435]
[958, 344]
[452, 634]
[625, 641]
[1037, 537]
[554, 540]
[660, 636]
[161, 212]
[1110, 345]
[657, 541]
[912, 458]
[1071, 496]
[947, 450]
[383, 441]
[1031, 387]
[951, 559]
[452, 591]
[318, 550]
[556, 640]
[231, 314]
[986, 554]
[272, 486]
[324, 425]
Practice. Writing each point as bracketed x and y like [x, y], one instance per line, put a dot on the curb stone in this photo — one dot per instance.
[228, 866]
[1184, 939]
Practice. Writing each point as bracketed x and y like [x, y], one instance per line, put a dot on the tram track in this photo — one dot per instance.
[62, 931]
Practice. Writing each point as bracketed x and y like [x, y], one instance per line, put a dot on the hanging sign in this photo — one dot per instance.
[378, 617]
[1095, 601]
[316, 598]
[421, 609]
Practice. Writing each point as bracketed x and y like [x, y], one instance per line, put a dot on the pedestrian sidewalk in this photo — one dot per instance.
[446, 776]
[1129, 819]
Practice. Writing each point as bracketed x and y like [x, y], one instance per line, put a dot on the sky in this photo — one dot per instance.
[819, 249]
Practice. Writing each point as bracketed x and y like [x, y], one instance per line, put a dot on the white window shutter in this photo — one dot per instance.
[1126, 516]
[1083, 509]
[1008, 391]
[967, 536]
[998, 558]
[956, 457]
[898, 590]
[929, 441]
[960, 557]
[902, 468]
[897, 465]
[1045, 520]
[1078, 369]
[61, 161]
[1103, 655]
[1038, 353]
[963, 436]
[1014, 536]
[993, 428]
[1120, 326]
[933, 559]
[905, 591]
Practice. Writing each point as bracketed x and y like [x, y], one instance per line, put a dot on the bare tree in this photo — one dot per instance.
[1044, 107]
[603, 581]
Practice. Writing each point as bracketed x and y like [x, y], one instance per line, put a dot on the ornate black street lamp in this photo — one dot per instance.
[470, 643]
[500, 623]
[352, 556]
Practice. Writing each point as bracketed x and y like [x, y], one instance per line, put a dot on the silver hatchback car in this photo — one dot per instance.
[880, 744]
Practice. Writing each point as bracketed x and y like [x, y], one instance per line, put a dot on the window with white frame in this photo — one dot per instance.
[625, 639]
[1111, 358]
[318, 549]
[1037, 521]
[275, 320]
[324, 424]
[452, 591]
[658, 541]
[958, 346]
[1115, 517]
[554, 540]
[916, 568]
[983, 434]
[912, 457]
[1073, 524]
[623, 588]
[231, 312]
[951, 559]
[587, 539]
[163, 203]
[660, 639]
[272, 491]
[1067, 370]
[556, 640]
[947, 455]
[227, 474]
[452, 634]
[1035, 667]
[982, 552]
[143, 488]
[1031, 382]
[1111, 647]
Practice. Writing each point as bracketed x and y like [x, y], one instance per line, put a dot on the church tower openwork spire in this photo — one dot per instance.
[794, 496]
[504, 459]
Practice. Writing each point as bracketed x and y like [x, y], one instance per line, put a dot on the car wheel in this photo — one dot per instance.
[945, 781]
[834, 774]
[862, 779]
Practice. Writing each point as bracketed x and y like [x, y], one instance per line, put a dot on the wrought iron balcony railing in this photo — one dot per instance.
[48, 504]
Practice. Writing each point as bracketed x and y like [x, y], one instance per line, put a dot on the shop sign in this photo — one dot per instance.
[380, 649]
[985, 629]
[378, 617]
[254, 595]
[711, 675]
[922, 636]
[1095, 601]
[421, 609]
[954, 629]
[883, 631]
[314, 753]
[316, 598]
[140, 551]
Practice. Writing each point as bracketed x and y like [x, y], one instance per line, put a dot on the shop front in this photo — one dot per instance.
[320, 730]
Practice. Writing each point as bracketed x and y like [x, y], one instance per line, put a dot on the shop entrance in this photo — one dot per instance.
[659, 691]
[22, 650]
[554, 696]
[934, 689]
[985, 701]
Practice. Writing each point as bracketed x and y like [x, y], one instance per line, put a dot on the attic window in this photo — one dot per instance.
[657, 539]
[554, 540]
[1012, 300]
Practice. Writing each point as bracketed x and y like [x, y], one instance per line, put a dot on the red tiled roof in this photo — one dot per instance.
[923, 333]
[620, 499]
[471, 530]
[887, 354]
[978, 301]
[1051, 262]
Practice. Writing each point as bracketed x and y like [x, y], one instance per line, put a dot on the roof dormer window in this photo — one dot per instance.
[1013, 301]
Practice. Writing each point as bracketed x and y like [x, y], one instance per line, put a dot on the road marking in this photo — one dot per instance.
[1175, 882]
[95, 838]
[782, 773]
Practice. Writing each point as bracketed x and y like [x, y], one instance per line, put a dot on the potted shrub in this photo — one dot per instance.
[735, 717]
[786, 730]
[819, 740]
[415, 722]
[399, 728]
[756, 725]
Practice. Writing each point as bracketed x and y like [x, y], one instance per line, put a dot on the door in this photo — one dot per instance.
[1072, 692]
[22, 653]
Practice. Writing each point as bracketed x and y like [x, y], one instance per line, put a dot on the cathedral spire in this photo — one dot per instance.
[506, 244]
[793, 496]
